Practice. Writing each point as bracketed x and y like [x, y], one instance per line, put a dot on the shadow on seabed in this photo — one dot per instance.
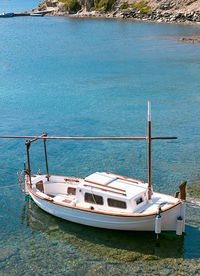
[85, 238]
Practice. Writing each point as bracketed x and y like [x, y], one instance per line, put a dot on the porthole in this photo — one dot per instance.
[139, 200]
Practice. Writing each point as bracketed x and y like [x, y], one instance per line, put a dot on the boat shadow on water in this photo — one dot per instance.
[113, 245]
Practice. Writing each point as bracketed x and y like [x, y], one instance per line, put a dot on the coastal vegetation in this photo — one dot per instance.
[106, 5]
[154, 10]
[75, 5]
[124, 5]
[142, 6]
[139, 6]
[72, 5]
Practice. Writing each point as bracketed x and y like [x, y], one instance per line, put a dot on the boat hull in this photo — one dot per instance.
[36, 14]
[7, 15]
[111, 221]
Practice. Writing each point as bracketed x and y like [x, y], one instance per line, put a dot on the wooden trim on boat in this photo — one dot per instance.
[59, 175]
[110, 187]
[182, 188]
[67, 201]
[127, 178]
[99, 212]
[105, 190]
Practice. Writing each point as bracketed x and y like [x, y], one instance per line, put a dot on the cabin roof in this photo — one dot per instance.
[132, 190]
[128, 187]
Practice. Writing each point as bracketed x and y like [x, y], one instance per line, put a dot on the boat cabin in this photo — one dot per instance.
[99, 191]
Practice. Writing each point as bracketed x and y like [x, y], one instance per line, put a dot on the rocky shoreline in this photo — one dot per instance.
[180, 17]
[193, 40]
[153, 10]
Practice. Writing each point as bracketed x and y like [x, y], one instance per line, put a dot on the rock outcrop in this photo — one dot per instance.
[150, 10]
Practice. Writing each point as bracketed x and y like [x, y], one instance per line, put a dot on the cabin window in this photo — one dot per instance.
[39, 185]
[71, 191]
[116, 203]
[139, 200]
[92, 198]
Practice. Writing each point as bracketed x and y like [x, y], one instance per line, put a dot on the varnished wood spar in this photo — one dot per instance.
[87, 138]
[45, 137]
[149, 151]
[46, 160]
[163, 138]
[36, 138]
[28, 144]
[28, 159]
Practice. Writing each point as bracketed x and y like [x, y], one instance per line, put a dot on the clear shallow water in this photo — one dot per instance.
[94, 78]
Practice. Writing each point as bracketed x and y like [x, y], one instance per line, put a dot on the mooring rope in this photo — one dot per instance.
[9, 186]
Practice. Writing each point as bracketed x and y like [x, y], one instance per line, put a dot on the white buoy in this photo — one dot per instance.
[158, 224]
[26, 191]
[179, 226]
[73, 203]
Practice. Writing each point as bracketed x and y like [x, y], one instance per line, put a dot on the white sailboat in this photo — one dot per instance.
[104, 199]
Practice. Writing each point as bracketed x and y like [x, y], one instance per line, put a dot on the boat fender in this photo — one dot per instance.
[179, 226]
[158, 224]
[158, 221]
[91, 208]
[73, 203]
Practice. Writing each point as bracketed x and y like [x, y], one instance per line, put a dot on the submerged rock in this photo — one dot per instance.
[194, 189]
[191, 40]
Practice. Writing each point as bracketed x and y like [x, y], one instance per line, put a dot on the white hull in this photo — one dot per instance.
[109, 221]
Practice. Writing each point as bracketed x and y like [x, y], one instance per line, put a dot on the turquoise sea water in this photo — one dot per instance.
[18, 5]
[81, 77]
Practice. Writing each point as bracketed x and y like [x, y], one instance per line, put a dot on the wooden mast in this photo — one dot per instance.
[149, 150]
[45, 153]
[45, 137]
[28, 144]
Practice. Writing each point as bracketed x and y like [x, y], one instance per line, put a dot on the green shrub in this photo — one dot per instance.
[91, 3]
[146, 10]
[73, 5]
[124, 5]
[108, 5]
[143, 7]
[105, 4]
[100, 5]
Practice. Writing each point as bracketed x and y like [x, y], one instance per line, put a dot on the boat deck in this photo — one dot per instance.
[158, 200]
[57, 190]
